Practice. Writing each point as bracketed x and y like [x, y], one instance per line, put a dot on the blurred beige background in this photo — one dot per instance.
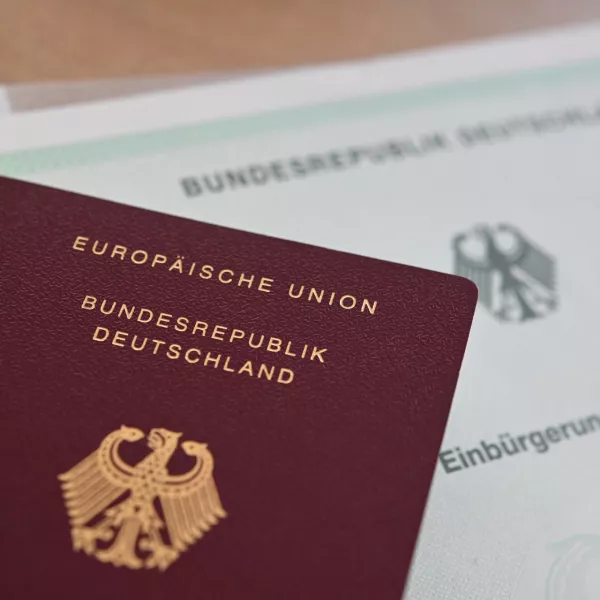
[75, 39]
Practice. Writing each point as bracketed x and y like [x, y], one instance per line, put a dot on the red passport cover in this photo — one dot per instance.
[190, 411]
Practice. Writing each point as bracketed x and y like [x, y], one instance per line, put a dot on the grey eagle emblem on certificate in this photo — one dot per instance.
[516, 278]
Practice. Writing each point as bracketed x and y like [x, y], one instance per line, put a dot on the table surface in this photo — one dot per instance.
[80, 39]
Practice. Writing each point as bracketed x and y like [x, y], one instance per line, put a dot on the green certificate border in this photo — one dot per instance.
[161, 141]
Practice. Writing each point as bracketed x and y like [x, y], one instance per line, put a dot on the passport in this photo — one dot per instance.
[191, 411]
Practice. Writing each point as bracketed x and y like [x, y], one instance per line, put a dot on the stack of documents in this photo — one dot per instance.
[479, 160]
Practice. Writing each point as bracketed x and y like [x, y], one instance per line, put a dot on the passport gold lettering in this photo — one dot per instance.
[199, 326]
[163, 320]
[206, 272]
[177, 265]
[119, 338]
[139, 257]
[119, 251]
[216, 360]
[243, 280]
[95, 248]
[347, 301]
[192, 358]
[195, 327]
[157, 344]
[218, 333]
[142, 315]
[227, 276]
[80, 243]
[253, 344]
[159, 259]
[265, 284]
[235, 336]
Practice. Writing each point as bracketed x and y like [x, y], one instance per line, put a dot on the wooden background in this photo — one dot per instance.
[76, 39]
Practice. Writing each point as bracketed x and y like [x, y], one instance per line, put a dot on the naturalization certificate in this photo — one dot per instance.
[485, 167]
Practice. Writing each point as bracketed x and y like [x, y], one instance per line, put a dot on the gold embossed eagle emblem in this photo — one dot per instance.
[140, 516]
